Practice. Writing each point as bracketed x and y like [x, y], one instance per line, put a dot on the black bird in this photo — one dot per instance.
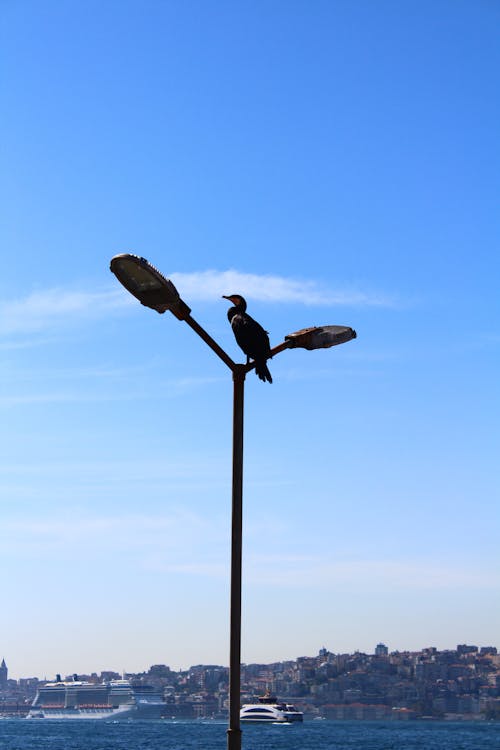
[250, 336]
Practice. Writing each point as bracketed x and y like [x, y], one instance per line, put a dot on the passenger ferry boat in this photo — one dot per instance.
[269, 710]
[77, 699]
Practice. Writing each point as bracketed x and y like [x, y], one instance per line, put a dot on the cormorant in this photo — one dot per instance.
[249, 335]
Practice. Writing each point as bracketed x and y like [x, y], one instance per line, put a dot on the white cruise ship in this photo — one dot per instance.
[269, 710]
[77, 699]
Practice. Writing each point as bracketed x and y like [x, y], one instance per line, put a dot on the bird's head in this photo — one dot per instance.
[237, 300]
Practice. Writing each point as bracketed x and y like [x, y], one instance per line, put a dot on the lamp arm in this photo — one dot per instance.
[210, 341]
[275, 350]
[280, 348]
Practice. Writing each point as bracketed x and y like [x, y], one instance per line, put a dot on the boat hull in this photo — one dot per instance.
[120, 713]
[123, 712]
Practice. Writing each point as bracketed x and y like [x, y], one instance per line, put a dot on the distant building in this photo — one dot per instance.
[381, 649]
[463, 648]
[3, 675]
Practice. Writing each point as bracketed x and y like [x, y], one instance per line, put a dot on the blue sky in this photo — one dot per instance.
[334, 162]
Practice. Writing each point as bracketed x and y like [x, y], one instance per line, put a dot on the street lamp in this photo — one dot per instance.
[153, 290]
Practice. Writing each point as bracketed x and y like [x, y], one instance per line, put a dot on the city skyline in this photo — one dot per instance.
[455, 685]
[379, 649]
[334, 164]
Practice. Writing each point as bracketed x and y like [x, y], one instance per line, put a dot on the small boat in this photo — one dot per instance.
[269, 710]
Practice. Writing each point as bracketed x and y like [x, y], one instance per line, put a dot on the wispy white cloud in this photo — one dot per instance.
[202, 568]
[43, 310]
[211, 284]
[51, 308]
[171, 389]
[192, 544]
[34, 398]
[113, 471]
[311, 571]
[169, 537]
[133, 525]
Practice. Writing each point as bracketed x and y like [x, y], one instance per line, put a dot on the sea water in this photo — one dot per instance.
[46, 734]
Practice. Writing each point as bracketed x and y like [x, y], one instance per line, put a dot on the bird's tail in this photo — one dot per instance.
[262, 371]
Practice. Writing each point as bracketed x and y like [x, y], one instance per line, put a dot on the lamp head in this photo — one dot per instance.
[148, 285]
[320, 337]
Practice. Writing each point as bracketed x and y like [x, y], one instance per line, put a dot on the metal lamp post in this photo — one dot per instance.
[153, 290]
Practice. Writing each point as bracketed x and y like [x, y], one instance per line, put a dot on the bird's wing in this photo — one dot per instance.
[250, 336]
